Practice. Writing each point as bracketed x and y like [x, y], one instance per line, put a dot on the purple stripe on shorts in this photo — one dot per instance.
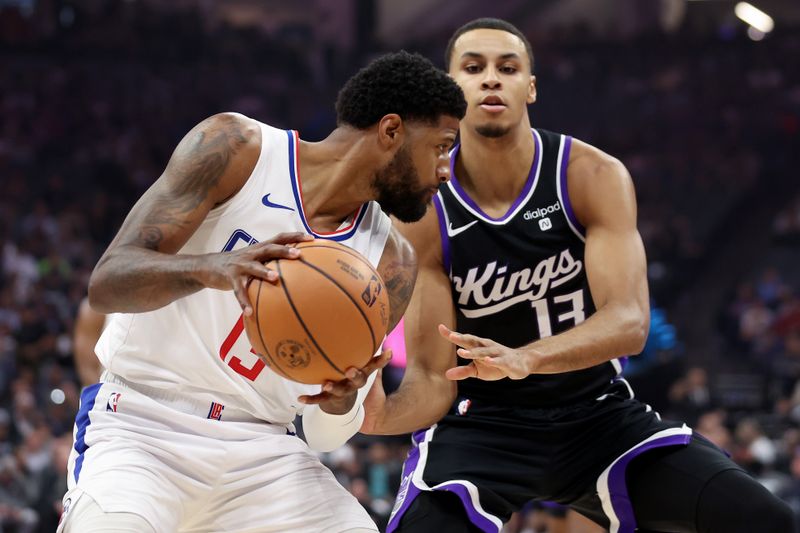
[407, 492]
[480, 521]
[617, 487]
[565, 190]
[437, 203]
[525, 190]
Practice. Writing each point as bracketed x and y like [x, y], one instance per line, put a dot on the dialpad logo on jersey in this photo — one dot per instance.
[113, 401]
[491, 289]
[293, 353]
[215, 411]
[541, 212]
[372, 290]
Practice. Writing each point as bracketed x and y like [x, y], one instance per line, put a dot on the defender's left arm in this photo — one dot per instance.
[603, 199]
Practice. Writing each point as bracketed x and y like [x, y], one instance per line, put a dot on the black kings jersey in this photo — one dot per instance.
[521, 277]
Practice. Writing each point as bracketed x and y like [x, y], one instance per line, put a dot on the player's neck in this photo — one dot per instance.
[494, 170]
[335, 176]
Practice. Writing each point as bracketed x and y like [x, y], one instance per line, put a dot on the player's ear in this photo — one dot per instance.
[532, 90]
[391, 130]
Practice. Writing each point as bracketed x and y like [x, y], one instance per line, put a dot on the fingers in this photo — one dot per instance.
[290, 238]
[462, 372]
[310, 399]
[265, 251]
[355, 378]
[461, 339]
[255, 269]
[484, 353]
[377, 362]
[240, 292]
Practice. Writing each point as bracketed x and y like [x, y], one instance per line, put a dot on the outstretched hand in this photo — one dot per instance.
[338, 397]
[490, 360]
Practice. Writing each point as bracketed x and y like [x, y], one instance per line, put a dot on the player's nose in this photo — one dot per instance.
[443, 170]
[490, 78]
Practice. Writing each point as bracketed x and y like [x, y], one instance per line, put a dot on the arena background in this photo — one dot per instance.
[703, 108]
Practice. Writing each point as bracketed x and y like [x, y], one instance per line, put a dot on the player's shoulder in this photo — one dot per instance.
[240, 126]
[589, 163]
[597, 182]
[398, 247]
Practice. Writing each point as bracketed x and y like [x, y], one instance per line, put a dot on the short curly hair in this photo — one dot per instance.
[402, 83]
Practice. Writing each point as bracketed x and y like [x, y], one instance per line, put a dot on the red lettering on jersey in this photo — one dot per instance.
[234, 362]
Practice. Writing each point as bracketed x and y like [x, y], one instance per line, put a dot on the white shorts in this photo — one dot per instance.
[159, 456]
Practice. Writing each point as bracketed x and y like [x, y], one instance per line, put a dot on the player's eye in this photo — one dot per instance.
[508, 69]
[472, 69]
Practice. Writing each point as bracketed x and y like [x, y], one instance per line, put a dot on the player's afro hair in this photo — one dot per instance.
[402, 83]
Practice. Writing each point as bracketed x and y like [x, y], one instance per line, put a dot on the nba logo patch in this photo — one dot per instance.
[113, 400]
[463, 407]
[215, 412]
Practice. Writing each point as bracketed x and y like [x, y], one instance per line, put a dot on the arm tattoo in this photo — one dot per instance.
[399, 278]
[201, 165]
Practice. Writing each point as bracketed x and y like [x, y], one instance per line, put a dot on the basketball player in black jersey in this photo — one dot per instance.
[533, 256]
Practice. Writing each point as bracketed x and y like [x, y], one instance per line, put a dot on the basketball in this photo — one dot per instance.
[328, 311]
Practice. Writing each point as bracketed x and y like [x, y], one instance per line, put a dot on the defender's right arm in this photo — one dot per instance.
[425, 394]
[140, 272]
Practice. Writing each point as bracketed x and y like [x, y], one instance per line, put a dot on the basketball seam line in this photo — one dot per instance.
[345, 249]
[363, 315]
[302, 323]
[261, 336]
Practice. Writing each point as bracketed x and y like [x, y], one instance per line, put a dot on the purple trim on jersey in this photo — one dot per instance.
[82, 421]
[617, 486]
[525, 190]
[299, 201]
[437, 203]
[564, 190]
[623, 362]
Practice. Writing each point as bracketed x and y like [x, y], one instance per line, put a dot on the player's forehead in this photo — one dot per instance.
[489, 43]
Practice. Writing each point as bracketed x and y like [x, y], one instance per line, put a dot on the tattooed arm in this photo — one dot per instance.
[425, 394]
[398, 269]
[140, 270]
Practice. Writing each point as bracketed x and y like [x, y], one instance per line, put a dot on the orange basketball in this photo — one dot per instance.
[328, 311]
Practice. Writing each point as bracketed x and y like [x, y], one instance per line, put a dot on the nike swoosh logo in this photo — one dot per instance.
[453, 232]
[265, 200]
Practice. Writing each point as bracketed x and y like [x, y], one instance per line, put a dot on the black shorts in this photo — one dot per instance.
[497, 458]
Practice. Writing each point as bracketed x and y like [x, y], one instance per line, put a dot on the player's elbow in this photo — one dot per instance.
[99, 292]
[96, 299]
[635, 325]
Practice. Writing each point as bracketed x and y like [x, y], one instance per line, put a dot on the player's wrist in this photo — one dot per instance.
[533, 361]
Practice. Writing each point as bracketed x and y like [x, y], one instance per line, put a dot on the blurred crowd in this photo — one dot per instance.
[91, 105]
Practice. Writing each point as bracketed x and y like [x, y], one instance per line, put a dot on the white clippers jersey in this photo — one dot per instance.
[196, 345]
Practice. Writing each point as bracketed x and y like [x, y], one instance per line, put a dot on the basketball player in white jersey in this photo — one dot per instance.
[187, 430]
[89, 324]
